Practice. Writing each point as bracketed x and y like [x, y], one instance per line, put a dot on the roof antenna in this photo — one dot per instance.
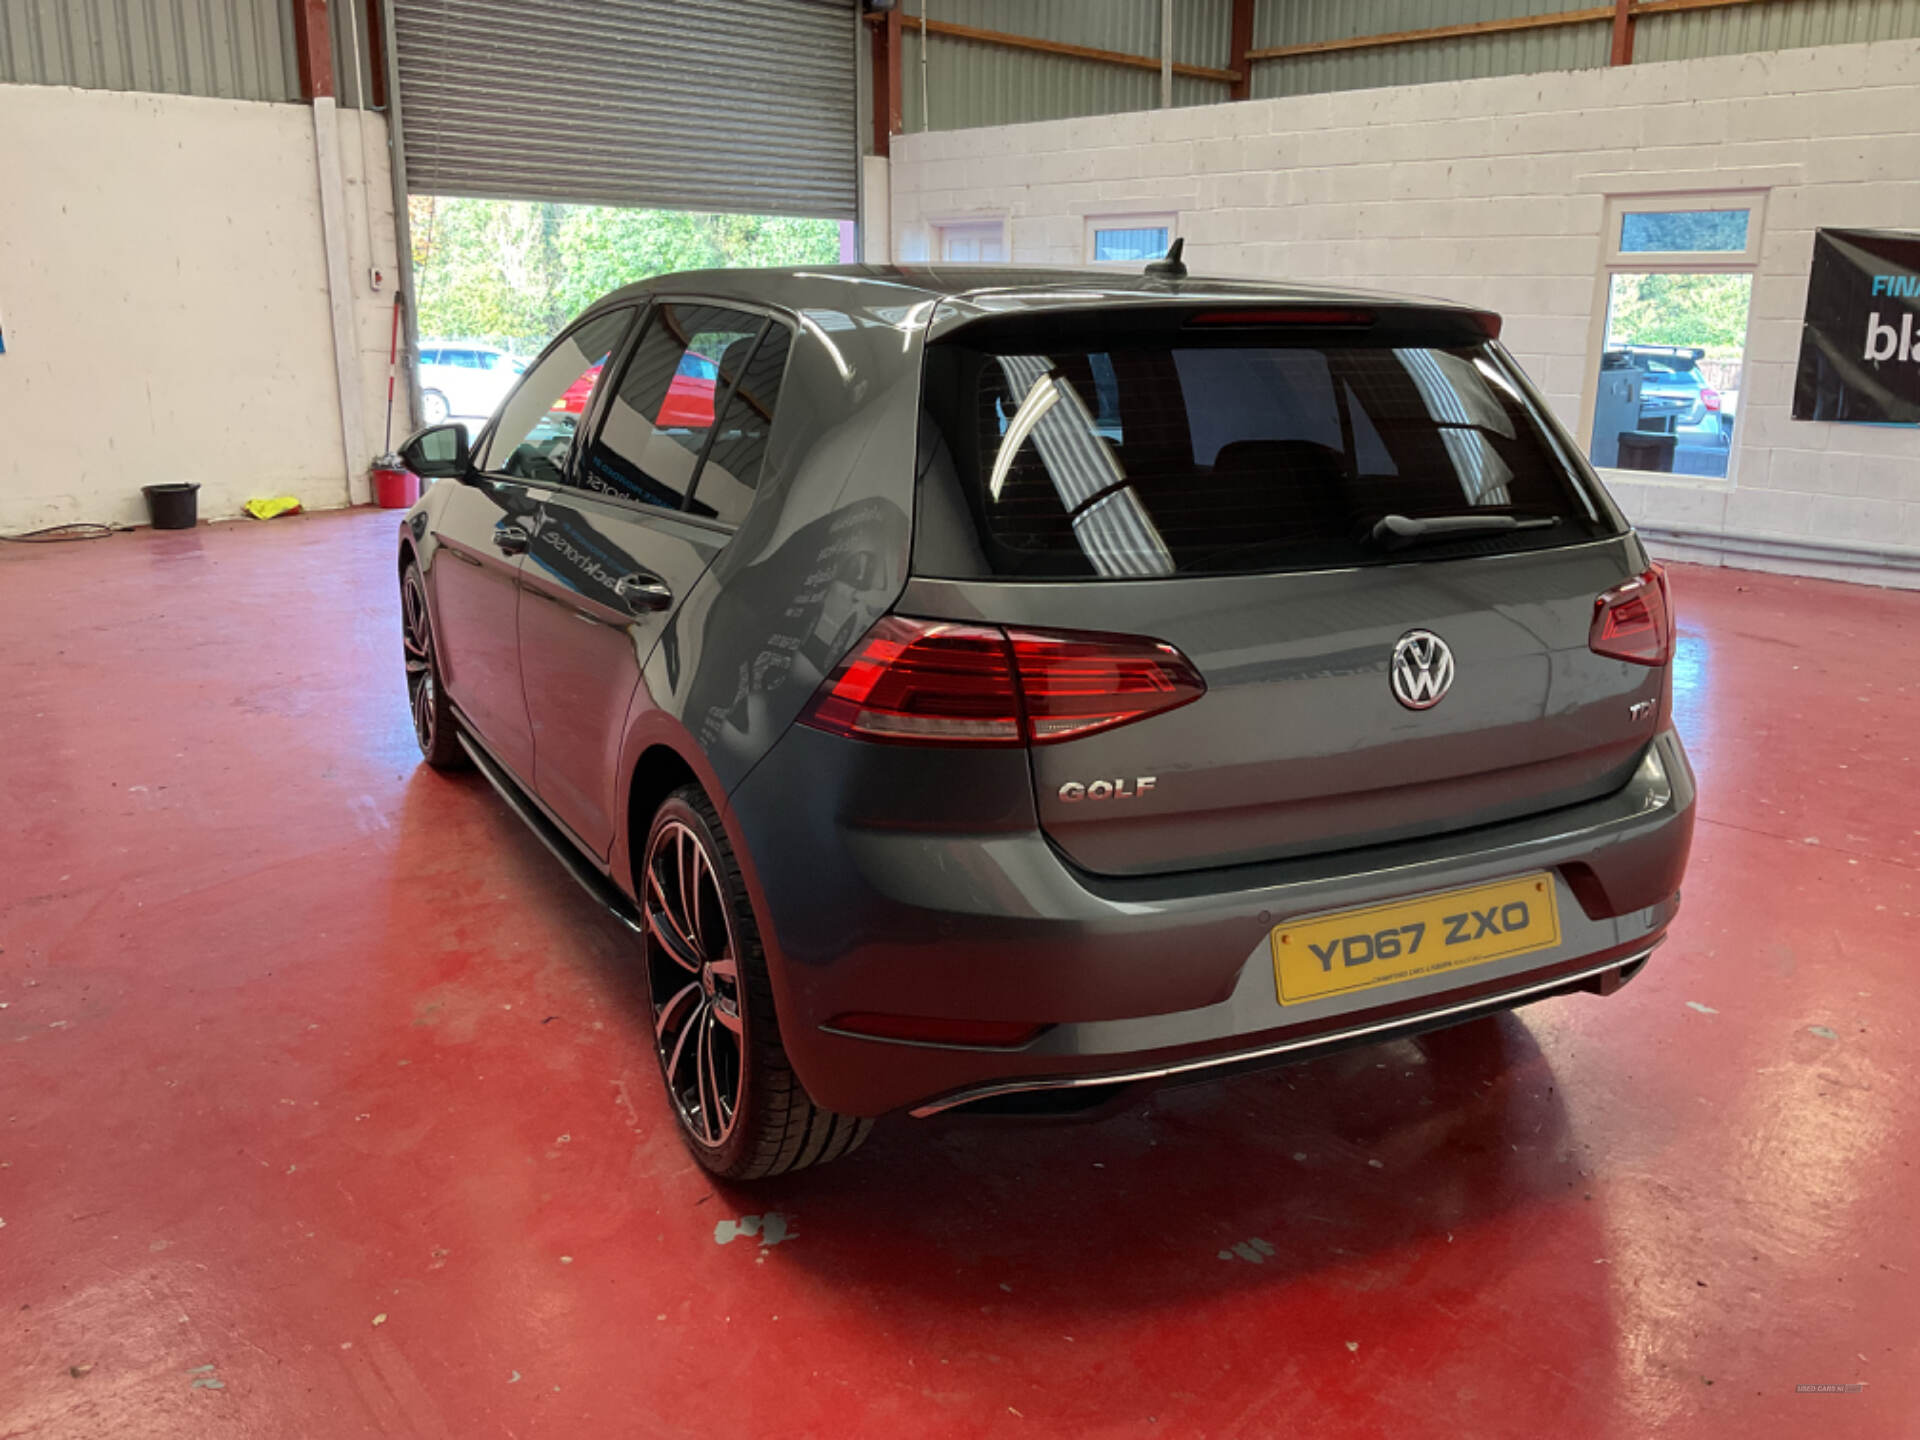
[1170, 268]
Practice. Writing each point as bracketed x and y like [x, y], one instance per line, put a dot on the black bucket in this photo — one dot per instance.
[173, 507]
[1647, 450]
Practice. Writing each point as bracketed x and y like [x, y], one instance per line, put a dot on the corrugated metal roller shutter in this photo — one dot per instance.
[741, 105]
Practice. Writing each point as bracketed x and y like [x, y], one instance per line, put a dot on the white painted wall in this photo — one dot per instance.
[164, 296]
[1493, 192]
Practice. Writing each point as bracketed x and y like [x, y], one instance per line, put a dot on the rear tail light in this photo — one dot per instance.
[932, 682]
[914, 681]
[1634, 621]
[1073, 685]
[1709, 397]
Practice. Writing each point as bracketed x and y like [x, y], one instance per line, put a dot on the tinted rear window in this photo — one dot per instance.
[1237, 454]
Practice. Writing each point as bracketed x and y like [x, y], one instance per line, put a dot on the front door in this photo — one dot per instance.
[482, 530]
[642, 513]
[487, 525]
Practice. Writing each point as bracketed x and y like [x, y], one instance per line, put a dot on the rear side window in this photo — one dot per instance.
[1182, 455]
[661, 421]
[732, 471]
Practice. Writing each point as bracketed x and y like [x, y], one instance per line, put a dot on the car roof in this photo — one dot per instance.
[886, 291]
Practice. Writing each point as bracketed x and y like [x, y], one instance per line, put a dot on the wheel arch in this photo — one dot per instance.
[658, 757]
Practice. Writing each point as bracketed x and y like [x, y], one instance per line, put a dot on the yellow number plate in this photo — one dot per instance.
[1385, 944]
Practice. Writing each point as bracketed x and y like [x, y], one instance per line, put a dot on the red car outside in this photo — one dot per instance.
[689, 401]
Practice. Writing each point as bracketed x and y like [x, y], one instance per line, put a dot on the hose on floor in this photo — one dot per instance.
[53, 534]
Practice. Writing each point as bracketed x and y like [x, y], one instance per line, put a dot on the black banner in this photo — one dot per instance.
[1860, 346]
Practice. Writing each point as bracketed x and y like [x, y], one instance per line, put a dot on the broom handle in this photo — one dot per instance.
[393, 353]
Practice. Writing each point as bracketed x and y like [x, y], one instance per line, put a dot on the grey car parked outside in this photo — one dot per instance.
[1000, 689]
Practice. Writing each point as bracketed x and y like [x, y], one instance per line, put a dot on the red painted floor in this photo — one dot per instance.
[326, 1108]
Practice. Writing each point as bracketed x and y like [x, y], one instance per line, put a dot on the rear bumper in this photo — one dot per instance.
[1389, 1023]
[1146, 979]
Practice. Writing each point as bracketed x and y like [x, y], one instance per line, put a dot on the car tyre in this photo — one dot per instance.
[433, 408]
[740, 1108]
[433, 722]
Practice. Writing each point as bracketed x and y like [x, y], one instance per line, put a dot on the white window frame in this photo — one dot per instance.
[1151, 221]
[1615, 261]
[937, 237]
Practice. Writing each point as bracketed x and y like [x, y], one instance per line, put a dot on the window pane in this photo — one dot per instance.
[1234, 458]
[726, 482]
[537, 423]
[1714, 231]
[658, 421]
[1670, 373]
[1145, 243]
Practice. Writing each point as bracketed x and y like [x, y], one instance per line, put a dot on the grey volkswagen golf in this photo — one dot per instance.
[998, 689]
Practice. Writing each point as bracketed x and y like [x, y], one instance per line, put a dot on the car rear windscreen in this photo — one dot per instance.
[1172, 453]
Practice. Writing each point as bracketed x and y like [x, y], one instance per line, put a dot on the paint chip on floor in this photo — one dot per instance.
[1703, 1009]
[381, 1318]
[1254, 1251]
[772, 1228]
[1823, 1032]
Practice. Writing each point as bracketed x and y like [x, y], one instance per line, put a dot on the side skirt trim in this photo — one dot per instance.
[550, 835]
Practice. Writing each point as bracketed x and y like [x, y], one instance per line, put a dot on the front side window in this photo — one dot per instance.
[661, 419]
[535, 433]
[1176, 457]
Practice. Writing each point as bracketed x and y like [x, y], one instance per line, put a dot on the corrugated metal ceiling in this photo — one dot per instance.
[972, 83]
[244, 49]
[1301, 22]
[237, 49]
[1779, 25]
[975, 83]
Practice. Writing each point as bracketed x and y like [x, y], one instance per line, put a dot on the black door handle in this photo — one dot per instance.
[512, 540]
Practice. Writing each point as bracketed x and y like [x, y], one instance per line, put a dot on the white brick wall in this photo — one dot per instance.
[1494, 192]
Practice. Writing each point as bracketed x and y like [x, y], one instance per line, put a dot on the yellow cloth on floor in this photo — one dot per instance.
[267, 509]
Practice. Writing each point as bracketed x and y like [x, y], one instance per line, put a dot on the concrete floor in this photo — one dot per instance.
[326, 1106]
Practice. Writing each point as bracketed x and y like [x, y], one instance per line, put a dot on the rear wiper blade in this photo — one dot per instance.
[1395, 532]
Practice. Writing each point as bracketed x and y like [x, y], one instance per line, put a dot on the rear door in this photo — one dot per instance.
[1220, 489]
[676, 453]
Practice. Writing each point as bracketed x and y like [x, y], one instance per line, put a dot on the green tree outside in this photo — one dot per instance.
[1705, 310]
[513, 272]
